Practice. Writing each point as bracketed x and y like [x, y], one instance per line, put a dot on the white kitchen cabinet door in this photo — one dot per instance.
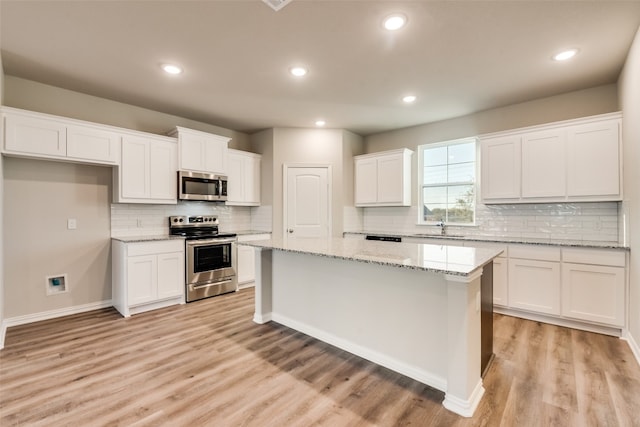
[594, 293]
[147, 275]
[246, 259]
[366, 171]
[246, 264]
[163, 169]
[500, 282]
[92, 144]
[148, 171]
[390, 182]
[170, 275]
[134, 168]
[593, 166]
[243, 187]
[142, 275]
[31, 135]
[201, 151]
[500, 168]
[544, 164]
[383, 179]
[534, 285]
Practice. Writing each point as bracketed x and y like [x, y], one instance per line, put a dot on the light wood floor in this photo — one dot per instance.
[208, 364]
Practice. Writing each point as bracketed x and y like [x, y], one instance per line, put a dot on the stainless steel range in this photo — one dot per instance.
[211, 257]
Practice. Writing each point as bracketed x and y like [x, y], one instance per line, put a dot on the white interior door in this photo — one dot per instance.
[307, 202]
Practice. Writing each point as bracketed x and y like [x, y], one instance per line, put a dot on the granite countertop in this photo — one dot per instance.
[454, 260]
[157, 237]
[246, 232]
[153, 238]
[506, 239]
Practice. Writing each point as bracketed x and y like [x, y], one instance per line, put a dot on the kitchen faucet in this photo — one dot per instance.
[443, 227]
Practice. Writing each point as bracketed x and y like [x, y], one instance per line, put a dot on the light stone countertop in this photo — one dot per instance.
[158, 237]
[454, 260]
[504, 239]
[152, 238]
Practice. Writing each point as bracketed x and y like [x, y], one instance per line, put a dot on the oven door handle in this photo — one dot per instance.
[204, 242]
[208, 285]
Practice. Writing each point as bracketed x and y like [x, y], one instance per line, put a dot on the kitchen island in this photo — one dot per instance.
[412, 308]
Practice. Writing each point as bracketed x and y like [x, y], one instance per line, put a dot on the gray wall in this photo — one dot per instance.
[57, 191]
[629, 87]
[588, 102]
[44, 195]
[30, 95]
[298, 146]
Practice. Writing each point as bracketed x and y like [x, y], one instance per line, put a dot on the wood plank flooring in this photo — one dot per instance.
[208, 364]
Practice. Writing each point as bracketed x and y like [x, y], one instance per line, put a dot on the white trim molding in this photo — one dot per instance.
[633, 344]
[51, 314]
[464, 407]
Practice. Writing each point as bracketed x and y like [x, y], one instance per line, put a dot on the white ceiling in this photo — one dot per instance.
[458, 57]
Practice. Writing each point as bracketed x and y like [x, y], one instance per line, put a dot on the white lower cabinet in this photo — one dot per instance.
[246, 260]
[147, 275]
[534, 285]
[534, 278]
[500, 281]
[595, 293]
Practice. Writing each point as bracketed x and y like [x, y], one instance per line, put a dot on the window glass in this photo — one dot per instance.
[448, 178]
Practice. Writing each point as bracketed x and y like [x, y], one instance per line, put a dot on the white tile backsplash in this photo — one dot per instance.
[149, 220]
[572, 221]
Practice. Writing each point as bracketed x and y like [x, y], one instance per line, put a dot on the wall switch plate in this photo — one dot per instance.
[72, 224]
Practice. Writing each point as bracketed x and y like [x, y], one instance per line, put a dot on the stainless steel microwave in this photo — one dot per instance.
[202, 186]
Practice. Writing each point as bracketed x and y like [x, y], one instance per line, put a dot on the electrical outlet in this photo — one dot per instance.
[72, 224]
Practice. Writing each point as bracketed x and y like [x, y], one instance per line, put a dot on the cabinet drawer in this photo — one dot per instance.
[539, 253]
[152, 248]
[612, 258]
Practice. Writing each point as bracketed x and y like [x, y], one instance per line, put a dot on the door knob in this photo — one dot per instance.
[290, 230]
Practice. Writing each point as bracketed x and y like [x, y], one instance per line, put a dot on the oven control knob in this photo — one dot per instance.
[181, 219]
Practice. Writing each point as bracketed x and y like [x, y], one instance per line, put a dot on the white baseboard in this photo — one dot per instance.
[52, 314]
[567, 323]
[633, 344]
[464, 407]
[381, 359]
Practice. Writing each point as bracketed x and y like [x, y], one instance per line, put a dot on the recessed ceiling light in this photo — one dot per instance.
[171, 69]
[409, 99]
[567, 54]
[320, 123]
[298, 71]
[395, 22]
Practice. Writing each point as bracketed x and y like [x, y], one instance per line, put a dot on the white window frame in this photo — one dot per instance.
[421, 149]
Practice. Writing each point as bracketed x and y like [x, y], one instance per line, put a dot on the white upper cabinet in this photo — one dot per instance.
[383, 179]
[543, 164]
[593, 169]
[574, 160]
[33, 135]
[243, 172]
[38, 135]
[90, 143]
[148, 170]
[201, 151]
[500, 159]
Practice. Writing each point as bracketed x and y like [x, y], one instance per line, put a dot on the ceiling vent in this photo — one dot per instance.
[277, 4]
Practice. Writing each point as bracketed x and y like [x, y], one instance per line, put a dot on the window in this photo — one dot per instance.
[448, 182]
